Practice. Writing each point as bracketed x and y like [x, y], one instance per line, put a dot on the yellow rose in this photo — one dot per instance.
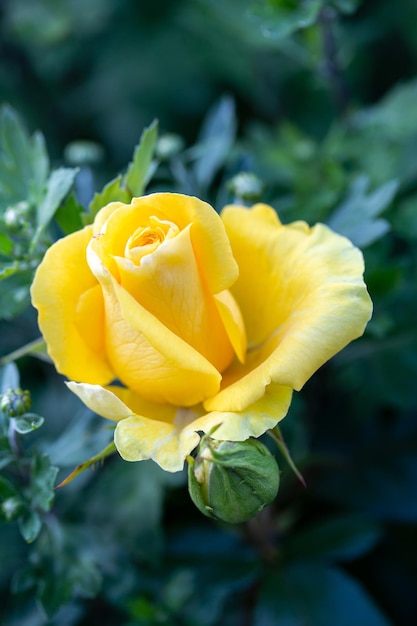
[200, 320]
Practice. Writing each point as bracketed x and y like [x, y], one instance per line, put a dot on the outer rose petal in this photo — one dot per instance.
[167, 434]
[253, 421]
[302, 297]
[71, 314]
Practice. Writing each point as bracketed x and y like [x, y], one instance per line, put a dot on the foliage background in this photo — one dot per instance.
[319, 100]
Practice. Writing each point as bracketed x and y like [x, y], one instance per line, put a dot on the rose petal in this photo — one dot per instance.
[71, 311]
[253, 421]
[168, 284]
[146, 356]
[302, 297]
[209, 239]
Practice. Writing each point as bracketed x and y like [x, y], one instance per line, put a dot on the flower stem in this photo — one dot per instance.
[34, 347]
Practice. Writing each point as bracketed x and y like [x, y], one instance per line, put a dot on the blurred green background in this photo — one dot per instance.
[317, 98]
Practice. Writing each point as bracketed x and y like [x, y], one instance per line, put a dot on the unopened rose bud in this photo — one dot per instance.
[246, 187]
[232, 480]
[15, 402]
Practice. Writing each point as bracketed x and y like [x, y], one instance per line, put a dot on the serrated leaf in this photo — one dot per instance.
[58, 186]
[24, 161]
[28, 423]
[42, 482]
[137, 175]
[357, 217]
[112, 192]
[30, 526]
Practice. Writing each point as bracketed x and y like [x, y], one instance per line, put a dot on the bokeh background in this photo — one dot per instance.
[317, 98]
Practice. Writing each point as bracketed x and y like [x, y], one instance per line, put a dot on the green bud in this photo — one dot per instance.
[246, 187]
[15, 217]
[11, 508]
[168, 146]
[15, 402]
[83, 152]
[232, 480]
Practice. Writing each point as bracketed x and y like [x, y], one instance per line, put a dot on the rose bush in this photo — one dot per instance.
[197, 319]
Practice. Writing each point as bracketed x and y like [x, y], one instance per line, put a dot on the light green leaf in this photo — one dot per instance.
[24, 161]
[112, 192]
[357, 217]
[138, 171]
[215, 141]
[28, 423]
[58, 186]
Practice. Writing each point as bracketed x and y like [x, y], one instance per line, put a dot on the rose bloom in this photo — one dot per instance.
[172, 319]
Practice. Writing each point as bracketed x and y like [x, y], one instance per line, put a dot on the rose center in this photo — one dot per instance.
[147, 238]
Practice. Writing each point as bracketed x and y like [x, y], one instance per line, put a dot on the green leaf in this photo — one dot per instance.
[357, 217]
[341, 539]
[317, 595]
[112, 192]
[42, 483]
[28, 423]
[6, 245]
[215, 141]
[69, 215]
[7, 489]
[58, 186]
[276, 22]
[24, 161]
[30, 526]
[137, 175]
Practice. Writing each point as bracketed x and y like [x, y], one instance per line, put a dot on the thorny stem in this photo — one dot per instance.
[332, 68]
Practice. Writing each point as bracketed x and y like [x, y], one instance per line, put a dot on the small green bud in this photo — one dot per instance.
[15, 402]
[83, 152]
[168, 146]
[232, 480]
[11, 508]
[246, 187]
[15, 217]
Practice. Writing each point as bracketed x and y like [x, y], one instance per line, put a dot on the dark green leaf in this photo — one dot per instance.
[69, 215]
[30, 526]
[137, 175]
[42, 482]
[310, 594]
[7, 489]
[340, 539]
[276, 22]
